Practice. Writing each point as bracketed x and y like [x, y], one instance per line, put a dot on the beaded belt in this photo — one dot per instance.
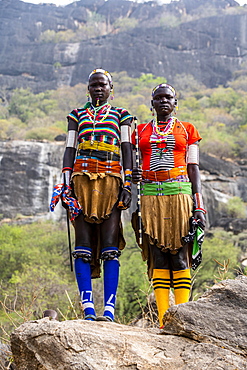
[95, 166]
[101, 155]
[99, 145]
[164, 175]
[166, 188]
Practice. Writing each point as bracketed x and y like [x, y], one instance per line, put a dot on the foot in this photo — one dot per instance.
[104, 318]
[90, 318]
[52, 314]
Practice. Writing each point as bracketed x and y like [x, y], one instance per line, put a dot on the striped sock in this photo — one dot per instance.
[182, 284]
[83, 277]
[161, 285]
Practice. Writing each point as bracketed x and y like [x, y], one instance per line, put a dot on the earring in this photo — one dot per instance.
[88, 97]
[152, 110]
[112, 94]
[176, 109]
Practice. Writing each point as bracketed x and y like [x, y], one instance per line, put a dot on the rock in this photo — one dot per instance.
[61, 137]
[221, 180]
[33, 169]
[211, 48]
[218, 317]
[207, 334]
[52, 314]
[28, 172]
[5, 357]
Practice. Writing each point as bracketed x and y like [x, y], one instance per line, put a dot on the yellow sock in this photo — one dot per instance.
[182, 283]
[161, 285]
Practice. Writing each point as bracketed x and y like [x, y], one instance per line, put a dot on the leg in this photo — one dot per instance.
[82, 255]
[109, 232]
[181, 275]
[161, 280]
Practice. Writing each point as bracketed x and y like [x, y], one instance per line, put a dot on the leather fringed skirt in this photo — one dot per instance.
[165, 220]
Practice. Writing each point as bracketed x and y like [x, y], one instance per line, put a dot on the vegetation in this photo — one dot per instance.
[220, 114]
[35, 274]
[91, 24]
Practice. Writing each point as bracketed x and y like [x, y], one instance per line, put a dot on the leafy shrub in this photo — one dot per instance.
[236, 208]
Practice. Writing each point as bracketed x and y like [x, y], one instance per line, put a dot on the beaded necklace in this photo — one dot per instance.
[161, 136]
[93, 116]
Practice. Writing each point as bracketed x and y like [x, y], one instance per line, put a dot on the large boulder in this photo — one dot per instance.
[207, 334]
[218, 317]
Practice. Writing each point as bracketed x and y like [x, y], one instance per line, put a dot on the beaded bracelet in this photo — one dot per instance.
[67, 169]
[127, 180]
[200, 210]
[198, 203]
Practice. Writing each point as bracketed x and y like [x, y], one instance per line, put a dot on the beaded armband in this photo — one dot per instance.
[67, 169]
[198, 203]
[127, 180]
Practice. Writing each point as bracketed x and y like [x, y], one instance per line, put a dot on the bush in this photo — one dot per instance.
[235, 208]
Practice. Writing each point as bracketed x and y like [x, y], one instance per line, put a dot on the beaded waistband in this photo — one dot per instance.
[166, 188]
[164, 175]
[95, 166]
[100, 155]
[98, 145]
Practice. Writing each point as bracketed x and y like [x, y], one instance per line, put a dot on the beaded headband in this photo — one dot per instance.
[103, 71]
[164, 85]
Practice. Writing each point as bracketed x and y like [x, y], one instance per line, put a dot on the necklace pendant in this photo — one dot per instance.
[91, 141]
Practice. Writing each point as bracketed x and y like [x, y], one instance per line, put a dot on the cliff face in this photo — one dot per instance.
[29, 170]
[211, 48]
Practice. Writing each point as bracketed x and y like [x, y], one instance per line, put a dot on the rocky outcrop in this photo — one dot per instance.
[218, 317]
[207, 334]
[221, 180]
[29, 170]
[211, 48]
[5, 357]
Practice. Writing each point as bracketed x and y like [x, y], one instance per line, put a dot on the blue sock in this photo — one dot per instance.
[83, 277]
[111, 275]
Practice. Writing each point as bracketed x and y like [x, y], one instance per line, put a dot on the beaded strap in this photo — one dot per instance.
[127, 180]
[198, 203]
[200, 210]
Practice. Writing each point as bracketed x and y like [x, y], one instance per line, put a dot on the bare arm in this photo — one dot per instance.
[195, 179]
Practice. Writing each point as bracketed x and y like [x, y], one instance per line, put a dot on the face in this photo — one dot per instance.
[163, 102]
[99, 88]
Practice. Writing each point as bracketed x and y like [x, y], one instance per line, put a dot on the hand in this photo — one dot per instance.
[201, 218]
[124, 200]
[136, 175]
[67, 192]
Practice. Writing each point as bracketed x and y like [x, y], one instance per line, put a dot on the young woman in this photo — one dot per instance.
[169, 177]
[98, 135]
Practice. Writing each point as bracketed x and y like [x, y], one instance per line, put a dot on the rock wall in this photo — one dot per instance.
[29, 170]
[211, 48]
